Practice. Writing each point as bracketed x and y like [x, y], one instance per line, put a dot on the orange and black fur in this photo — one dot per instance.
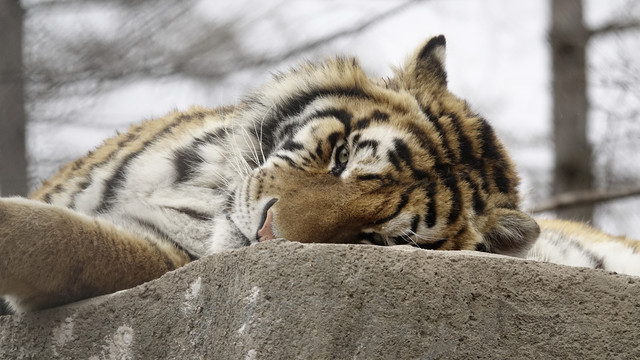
[322, 153]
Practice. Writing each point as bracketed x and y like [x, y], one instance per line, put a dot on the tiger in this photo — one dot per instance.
[322, 153]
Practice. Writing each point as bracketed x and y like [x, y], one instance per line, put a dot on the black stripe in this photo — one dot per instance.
[465, 146]
[294, 105]
[414, 223]
[342, 115]
[502, 181]
[423, 138]
[289, 161]
[289, 129]
[116, 181]
[376, 116]
[362, 124]
[484, 179]
[433, 246]
[267, 136]
[373, 144]
[186, 162]
[113, 184]
[403, 152]
[192, 213]
[380, 116]
[319, 151]
[213, 137]
[393, 159]
[368, 177]
[182, 117]
[78, 163]
[84, 184]
[163, 236]
[443, 169]
[430, 216]
[451, 183]
[56, 190]
[433, 119]
[490, 149]
[333, 139]
[404, 199]
[478, 202]
[129, 138]
[292, 146]
[457, 244]
[386, 180]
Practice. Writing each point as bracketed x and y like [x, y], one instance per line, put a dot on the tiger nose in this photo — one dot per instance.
[265, 232]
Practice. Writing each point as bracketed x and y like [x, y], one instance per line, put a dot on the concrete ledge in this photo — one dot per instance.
[287, 300]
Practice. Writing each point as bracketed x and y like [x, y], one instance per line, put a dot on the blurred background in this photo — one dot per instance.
[558, 79]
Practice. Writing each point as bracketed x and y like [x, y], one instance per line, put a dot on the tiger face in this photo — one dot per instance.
[349, 159]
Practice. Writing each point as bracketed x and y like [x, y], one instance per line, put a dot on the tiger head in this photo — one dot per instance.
[349, 159]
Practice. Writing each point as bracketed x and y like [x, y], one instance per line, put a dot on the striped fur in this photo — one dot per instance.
[320, 154]
[576, 244]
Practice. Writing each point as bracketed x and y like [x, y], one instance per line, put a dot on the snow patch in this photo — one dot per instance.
[62, 334]
[248, 316]
[117, 346]
[251, 355]
[191, 294]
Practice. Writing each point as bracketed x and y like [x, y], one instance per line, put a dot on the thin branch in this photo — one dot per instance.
[340, 34]
[587, 197]
[153, 72]
[614, 27]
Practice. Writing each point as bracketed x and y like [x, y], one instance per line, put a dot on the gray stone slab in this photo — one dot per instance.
[282, 300]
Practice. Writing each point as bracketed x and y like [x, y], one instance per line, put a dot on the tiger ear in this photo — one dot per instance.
[513, 233]
[425, 69]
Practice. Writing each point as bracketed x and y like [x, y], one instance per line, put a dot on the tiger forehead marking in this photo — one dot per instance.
[322, 153]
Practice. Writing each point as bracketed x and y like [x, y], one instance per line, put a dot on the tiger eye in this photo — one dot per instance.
[343, 155]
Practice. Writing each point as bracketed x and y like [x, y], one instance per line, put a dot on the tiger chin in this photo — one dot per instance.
[321, 154]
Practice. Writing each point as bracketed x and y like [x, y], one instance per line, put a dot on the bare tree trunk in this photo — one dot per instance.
[13, 161]
[572, 148]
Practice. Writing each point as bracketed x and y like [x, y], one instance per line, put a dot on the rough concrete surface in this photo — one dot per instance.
[282, 300]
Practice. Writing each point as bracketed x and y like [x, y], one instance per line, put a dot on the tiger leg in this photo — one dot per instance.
[51, 255]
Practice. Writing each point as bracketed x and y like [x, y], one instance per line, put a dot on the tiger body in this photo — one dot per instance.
[321, 154]
[164, 179]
